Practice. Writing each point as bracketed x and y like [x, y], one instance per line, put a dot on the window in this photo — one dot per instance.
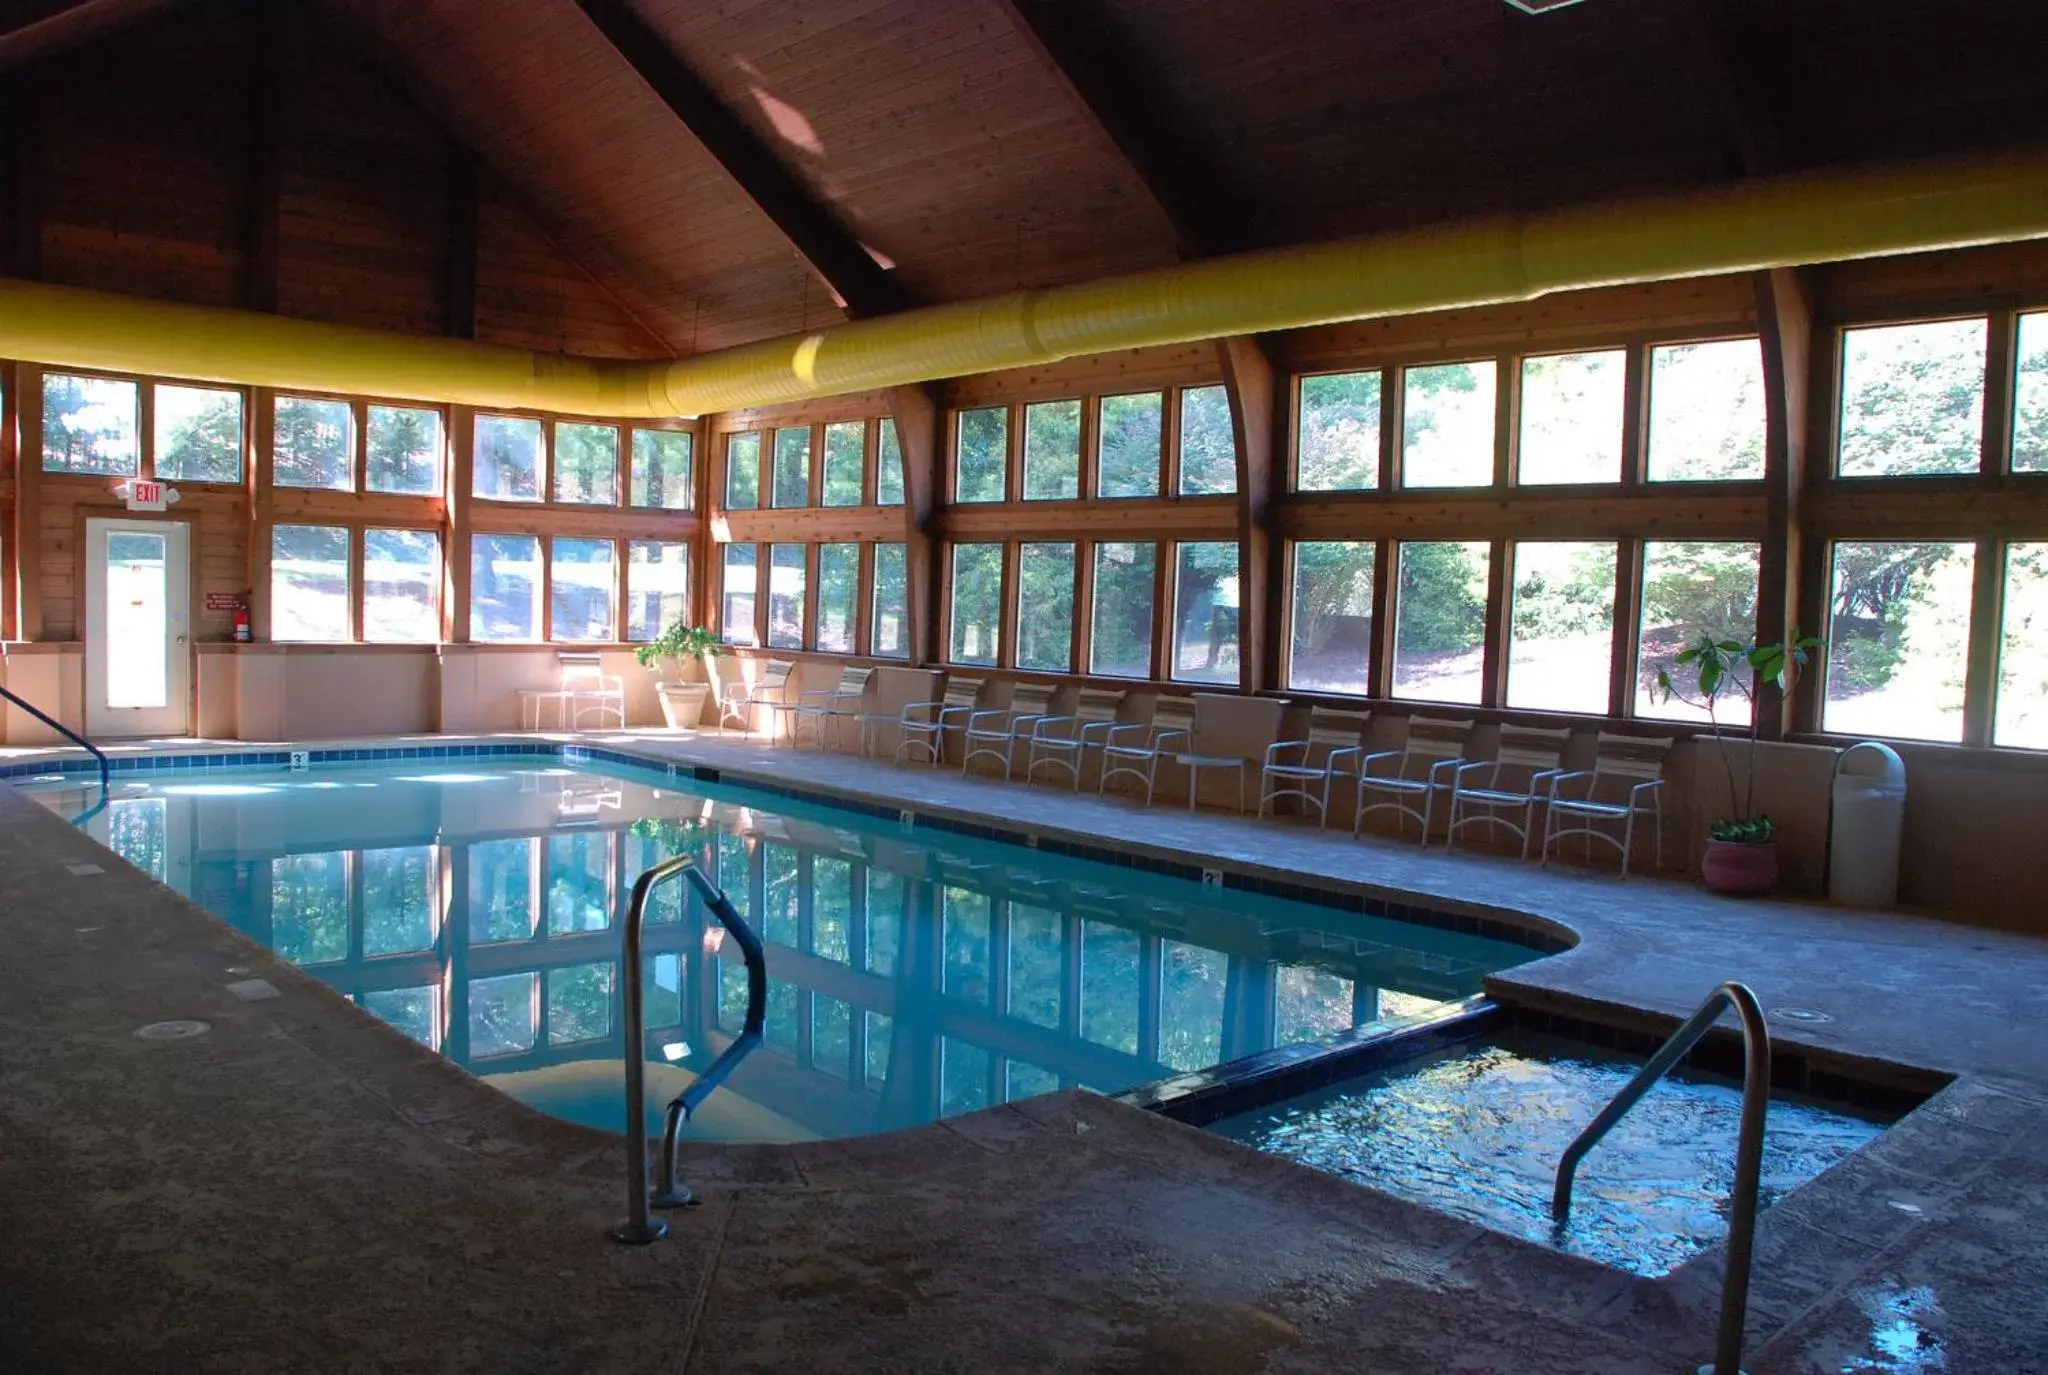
[743, 471]
[309, 907]
[981, 460]
[1205, 613]
[661, 469]
[90, 425]
[1111, 985]
[2030, 397]
[2021, 720]
[1571, 418]
[1330, 630]
[1440, 620]
[741, 589]
[198, 434]
[402, 586]
[504, 587]
[1120, 616]
[404, 450]
[579, 1004]
[838, 596]
[657, 587]
[1447, 414]
[1912, 399]
[309, 584]
[1562, 626]
[977, 602]
[1692, 589]
[1052, 451]
[1707, 412]
[1127, 450]
[1045, 607]
[792, 479]
[400, 910]
[1208, 444]
[1035, 971]
[888, 466]
[501, 889]
[507, 462]
[1339, 444]
[846, 462]
[586, 464]
[1898, 639]
[504, 1014]
[786, 569]
[583, 580]
[891, 625]
[313, 444]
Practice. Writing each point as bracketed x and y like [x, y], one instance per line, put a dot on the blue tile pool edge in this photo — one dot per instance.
[1532, 933]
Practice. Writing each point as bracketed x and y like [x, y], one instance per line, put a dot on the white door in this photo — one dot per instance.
[138, 655]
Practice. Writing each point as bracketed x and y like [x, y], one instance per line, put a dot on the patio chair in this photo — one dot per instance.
[1625, 782]
[1136, 749]
[1423, 767]
[1307, 768]
[1229, 732]
[1063, 742]
[823, 706]
[582, 687]
[997, 731]
[1497, 791]
[925, 725]
[770, 693]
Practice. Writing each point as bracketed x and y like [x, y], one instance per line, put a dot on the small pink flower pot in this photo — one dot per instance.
[1740, 869]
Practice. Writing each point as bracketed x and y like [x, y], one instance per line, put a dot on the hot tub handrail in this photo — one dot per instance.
[1749, 1147]
[640, 1226]
[88, 746]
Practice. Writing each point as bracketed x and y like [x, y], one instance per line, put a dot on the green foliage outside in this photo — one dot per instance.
[743, 471]
[586, 463]
[977, 602]
[507, 457]
[1206, 608]
[398, 900]
[1880, 590]
[845, 462]
[1442, 598]
[1912, 399]
[403, 450]
[838, 596]
[1332, 627]
[1553, 602]
[1045, 607]
[1208, 445]
[198, 434]
[1447, 425]
[980, 471]
[89, 425]
[1120, 636]
[1128, 452]
[792, 467]
[1052, 451]
[579, 1003]
[891, 629]
[309, 907]
[888, 465]
[1339, 446]
[661, 469]
[310, 444]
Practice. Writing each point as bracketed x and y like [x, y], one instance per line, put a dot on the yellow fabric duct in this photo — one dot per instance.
[1745, 226]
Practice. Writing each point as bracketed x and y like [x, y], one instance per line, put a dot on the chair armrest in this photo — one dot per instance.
[803, 697]
[1166, 738]
[949, 717]
[1040, 724]
[976, 718]
[1558, 781]
[1443, 764]
[1108, 728]
[1118, 734]
[909, 715]
[1474, 767]
[1647, 785]
[1355, 753]
[1366, 762]
[1273, 750]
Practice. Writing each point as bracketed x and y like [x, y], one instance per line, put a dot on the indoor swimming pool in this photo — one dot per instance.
[475, 904]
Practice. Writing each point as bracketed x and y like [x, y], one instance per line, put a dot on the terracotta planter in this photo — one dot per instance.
[682, 704]
[1740, 869]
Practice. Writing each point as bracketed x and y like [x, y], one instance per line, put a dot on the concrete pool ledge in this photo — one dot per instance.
[303, 1188]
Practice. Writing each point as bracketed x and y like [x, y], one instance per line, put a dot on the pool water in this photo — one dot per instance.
[1477, 1131]
[475, 904]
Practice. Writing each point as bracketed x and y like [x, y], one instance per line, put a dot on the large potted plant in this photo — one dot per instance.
[669, 655]
[1742, 851]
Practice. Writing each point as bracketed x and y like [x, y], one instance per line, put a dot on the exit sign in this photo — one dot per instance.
[146, 494]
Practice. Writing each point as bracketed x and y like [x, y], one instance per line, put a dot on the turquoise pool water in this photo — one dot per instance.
[914, 974]
[1477, 1131]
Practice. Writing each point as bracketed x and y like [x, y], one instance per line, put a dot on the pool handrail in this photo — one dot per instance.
[88, 746]
[1749, 1148]
[640, 1226]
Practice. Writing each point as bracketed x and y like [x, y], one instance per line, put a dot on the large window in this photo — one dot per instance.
[657, 587]
[1440, 621]
[1208, 445]
[838, 596]
[977, 603]
[583, 583]
[846, 462]
[981, 455]
[891, 613]
[309, 582]
[2021, 719]
[1128, 447]
[888, 465]
[403, 450]
[1052, 451]
[1205, 613]
[786, 570]
[792, 485]
[402, 586]
[1120, 615]
[1898, 639]
[1330, 631]
[1707, 412]
[2030, 396]
[509, 458]
[1447, 415]
[586, 464]
[739, 591]
[1912, 399]
[1690, 589]
[743, 471]
[198, 435]
[1338, 446]
[1561, 645]
[90, 425]
[662, 474]
[1571, 418]
[504, 587]
[313, 444]
[1045, 607]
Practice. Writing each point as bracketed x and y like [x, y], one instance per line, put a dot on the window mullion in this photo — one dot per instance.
[1980, 685]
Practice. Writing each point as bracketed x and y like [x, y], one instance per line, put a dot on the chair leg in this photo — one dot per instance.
[1628, 840]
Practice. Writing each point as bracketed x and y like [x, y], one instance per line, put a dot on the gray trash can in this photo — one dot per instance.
[1870, 812]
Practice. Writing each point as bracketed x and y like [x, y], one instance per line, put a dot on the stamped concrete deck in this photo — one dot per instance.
[302, 1189]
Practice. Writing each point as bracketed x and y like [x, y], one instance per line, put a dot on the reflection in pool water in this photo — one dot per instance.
[912, 974]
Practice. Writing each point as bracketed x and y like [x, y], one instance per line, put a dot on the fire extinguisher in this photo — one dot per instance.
[242, 626]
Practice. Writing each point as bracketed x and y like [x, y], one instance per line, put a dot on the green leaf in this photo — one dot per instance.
[1685, 656]
[1710, 676]
[1730, 646]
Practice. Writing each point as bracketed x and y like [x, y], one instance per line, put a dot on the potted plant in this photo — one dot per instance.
[678, 645]
[1742, 853]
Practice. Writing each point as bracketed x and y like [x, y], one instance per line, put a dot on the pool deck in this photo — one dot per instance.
[302, 1189]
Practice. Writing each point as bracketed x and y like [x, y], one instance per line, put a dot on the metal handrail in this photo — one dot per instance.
[640, 1226]
[88, 746]
[1749, 1148]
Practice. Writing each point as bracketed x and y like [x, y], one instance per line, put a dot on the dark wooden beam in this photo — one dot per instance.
[21, 180]
[1258, 419]
[38, 28]
[920, 416]
[832, 251]
[458, 283]
[270, 50]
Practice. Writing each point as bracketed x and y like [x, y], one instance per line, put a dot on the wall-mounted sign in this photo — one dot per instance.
[225, 601]
[148, 494]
